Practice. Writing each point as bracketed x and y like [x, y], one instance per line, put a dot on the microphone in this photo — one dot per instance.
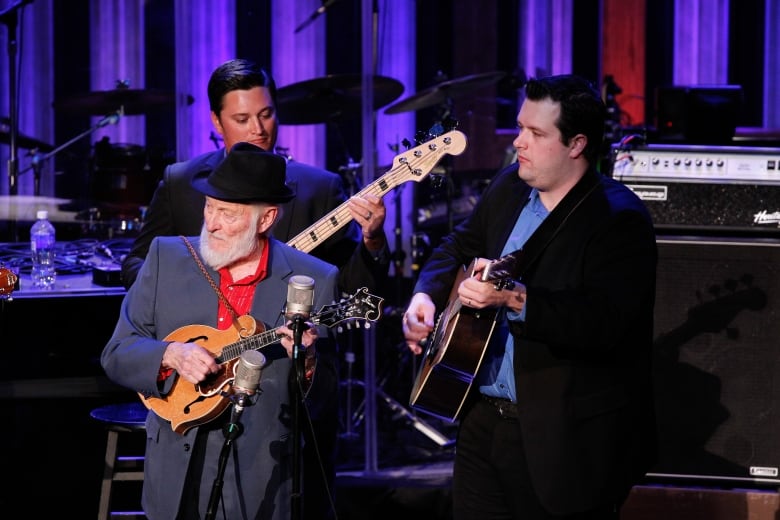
[300, 300]
[315, 14]
[300, 297]
[247, 371]
[111, 119]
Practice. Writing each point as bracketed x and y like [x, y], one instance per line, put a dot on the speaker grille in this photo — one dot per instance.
[717, 362]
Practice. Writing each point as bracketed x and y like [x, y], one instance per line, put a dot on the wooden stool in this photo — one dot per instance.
[120, 419]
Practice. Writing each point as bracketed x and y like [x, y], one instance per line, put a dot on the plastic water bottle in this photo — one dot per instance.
[42, 240]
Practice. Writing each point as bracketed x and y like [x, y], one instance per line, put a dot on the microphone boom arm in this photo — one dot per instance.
[325, 5]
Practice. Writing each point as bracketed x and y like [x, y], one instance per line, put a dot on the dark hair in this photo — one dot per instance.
[582, 109]
[237, 74]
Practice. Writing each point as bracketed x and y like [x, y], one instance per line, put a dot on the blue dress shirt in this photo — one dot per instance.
[496, 376]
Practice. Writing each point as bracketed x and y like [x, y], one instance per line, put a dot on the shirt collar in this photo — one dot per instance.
[260, 273]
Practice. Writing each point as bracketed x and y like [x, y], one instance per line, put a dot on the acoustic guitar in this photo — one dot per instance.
[188, 405]
[455, 349]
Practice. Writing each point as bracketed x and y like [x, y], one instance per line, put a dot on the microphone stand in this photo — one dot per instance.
[232, 430]
[313, 16]
[299, 366]
[38, 159]
[10, 18]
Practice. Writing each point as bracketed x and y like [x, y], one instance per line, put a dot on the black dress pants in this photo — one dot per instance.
[490, 477]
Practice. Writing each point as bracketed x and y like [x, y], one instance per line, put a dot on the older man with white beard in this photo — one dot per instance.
[235, 269]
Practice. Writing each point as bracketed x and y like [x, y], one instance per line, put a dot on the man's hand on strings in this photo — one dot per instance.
[478, 294]
[418, 321]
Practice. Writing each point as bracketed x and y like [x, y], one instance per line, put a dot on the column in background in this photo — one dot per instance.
[205, 37]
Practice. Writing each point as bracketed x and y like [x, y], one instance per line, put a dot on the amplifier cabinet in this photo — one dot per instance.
[705, 190]
[717, 360]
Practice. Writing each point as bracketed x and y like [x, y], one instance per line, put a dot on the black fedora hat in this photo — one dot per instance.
[247, 174]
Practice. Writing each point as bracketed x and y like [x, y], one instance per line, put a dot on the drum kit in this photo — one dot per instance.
[336, 98]
[122, 177]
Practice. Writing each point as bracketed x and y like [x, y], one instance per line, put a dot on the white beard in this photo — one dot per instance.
[243, 246]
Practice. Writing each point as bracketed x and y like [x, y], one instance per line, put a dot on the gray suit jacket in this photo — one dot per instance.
[171, 292]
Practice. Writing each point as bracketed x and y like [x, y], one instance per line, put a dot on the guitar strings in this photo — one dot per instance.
[339, 217]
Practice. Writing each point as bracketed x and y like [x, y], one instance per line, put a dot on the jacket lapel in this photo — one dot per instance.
[557, 218]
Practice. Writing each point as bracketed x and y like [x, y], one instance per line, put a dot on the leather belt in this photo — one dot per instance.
[505, 408]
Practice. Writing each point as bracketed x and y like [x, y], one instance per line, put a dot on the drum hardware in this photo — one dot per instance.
[110, 223]
[354, 419]
[313, 16]
[24, 141]
[38, 160]
[421, 250]
[123, 178]
[10, 17]
[216, 139]
[284, 152]
[444, 92]
[350, 177]
[130, 101]
[332, 98]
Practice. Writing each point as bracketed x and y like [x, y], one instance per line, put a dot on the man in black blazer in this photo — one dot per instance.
[242, 100]
[558, 421]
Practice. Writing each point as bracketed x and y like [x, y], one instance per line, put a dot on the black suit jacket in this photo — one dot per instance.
[583, 354]
[177, 209]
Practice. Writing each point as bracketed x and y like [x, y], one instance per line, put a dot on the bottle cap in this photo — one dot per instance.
[42, 214]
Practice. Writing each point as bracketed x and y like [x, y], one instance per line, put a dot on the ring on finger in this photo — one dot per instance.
[368, 216]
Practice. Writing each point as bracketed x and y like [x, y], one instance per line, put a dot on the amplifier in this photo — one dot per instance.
[710, 189]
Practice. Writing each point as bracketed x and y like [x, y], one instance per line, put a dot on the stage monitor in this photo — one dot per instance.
[698, 114]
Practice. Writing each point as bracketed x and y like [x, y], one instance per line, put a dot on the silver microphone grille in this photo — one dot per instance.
[248, 371]
[300, 295]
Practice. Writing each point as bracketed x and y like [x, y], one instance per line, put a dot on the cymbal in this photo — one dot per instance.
[23, 141]
[445, 91]
[332, 97]
[132, 101]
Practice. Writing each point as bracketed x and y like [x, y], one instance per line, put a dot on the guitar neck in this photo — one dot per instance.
[412, 165]
[339, 217]
[256, 342]
[360, 306]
